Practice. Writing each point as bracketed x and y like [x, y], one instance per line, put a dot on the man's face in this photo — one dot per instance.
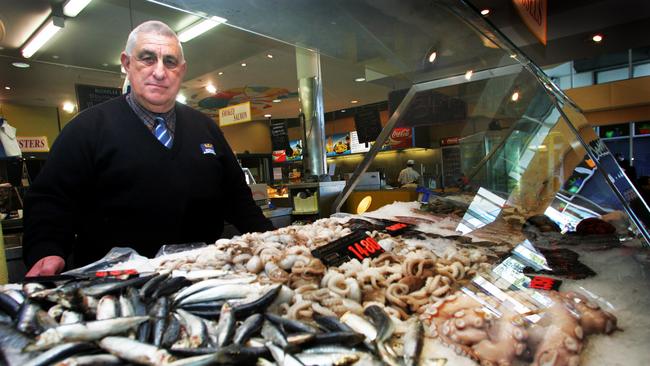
[155, 70]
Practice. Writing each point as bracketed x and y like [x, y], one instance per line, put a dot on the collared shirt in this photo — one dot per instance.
[149, 118]
[408, 175]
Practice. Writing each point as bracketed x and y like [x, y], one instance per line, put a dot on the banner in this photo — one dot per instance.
[338, 144]
[33, 144]
[234, 114]
[401, 138]
[533, 13]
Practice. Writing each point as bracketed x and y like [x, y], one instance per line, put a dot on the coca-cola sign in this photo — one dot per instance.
[401, 138]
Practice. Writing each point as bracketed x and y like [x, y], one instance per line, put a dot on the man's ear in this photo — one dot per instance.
[125, 60]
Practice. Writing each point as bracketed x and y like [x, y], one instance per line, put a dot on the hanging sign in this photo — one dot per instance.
[279, 135]
[234, 114]
[533, 14]
[401, 138]
[368, 124]
[33, 144]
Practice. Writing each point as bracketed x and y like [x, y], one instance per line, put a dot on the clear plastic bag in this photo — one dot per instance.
[178, 248]
[115, 257]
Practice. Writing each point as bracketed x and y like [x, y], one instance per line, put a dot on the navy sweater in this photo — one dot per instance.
[108, 182]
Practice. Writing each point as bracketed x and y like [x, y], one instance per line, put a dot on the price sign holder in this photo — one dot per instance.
[357, 245]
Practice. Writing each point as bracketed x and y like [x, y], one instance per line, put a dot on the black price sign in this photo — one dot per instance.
[397, 228]
[91, 95]
[544, 283]
[368, 124]
[279, 135]
[356, 245]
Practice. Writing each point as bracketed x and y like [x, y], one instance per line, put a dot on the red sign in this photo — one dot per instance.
[401, 138]
[279, 156]
[544, 283]
[355, 245]
[447, 141]
[533, 14]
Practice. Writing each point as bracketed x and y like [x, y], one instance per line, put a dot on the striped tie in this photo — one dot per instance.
[162, 133]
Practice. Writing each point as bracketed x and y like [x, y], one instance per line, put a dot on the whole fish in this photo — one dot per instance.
[360, 325]
[150, 286]
[172, 331]
[349, 339]
[226, 326]
[17, 295]
[381, 321]
[103, 359]
[273, 335]
[59, 353]
[250, 326]
[205, 284]
[9, 305]
[89, 331]
[412, 340]
[329, 359]
[194, 326]
[241, 311]
[169, 286]
[26, 318]
[298, 339]
[12, 343]
[331, 324]
[222, 292]
[71, 317]
[282, 358]
[107, 308]
[126, 306]
[136, 352]
[290, 325]
[158, 314]
[102, 289]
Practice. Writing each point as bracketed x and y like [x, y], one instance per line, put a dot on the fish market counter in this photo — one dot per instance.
[348, 290]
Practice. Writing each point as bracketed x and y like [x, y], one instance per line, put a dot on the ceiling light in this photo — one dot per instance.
[105, 64]
[243, 64]
[277, 100]
[354, 101]
[485, 12]
[199, 28]
[73, 7]
[343, 110]
[515, 96]
[468, 74]
[7, 87]
[597, 38]
[360, 79]
[181, 98]
[267, 115]
[20, 65]
[220, 72]
[432, 56]
[211, 88]
[269, 55]
[68, 107]
[42, 36]
[56, 57]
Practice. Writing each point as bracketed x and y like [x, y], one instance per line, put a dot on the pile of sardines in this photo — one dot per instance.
[160, 319]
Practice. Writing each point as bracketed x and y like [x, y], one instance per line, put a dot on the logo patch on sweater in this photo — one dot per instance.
[208, 149]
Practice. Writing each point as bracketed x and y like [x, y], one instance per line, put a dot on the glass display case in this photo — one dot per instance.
[562, 227]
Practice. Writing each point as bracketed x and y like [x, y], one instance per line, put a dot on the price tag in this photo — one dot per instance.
[544, 283]
[357, 245]
[397, 228]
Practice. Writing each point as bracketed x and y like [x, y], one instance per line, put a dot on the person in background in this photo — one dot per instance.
[137, 171]
[408, 175]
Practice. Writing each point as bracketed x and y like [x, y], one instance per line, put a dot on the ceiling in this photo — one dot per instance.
[87, 50]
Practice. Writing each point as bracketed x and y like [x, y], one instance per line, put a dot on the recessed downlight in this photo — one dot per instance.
[432, 56]
[597, 38]
[20, 65]
[485, 12]
[358, 80]
[211, 88]
[220, 72]
[515, 96]
[267, 116]
[7, 88]
[468, 74]
[277, 100]
[268, 55]
[243, 64]
[354, 101]
[68, 107]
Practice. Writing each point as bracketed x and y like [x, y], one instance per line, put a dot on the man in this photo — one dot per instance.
[137, 171]
[408, 175]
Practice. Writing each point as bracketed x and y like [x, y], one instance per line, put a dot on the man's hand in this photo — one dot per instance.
[48, 266]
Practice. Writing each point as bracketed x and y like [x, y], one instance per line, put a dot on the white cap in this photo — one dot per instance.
[410, 162]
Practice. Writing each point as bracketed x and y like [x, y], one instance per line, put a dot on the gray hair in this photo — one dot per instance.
[151, 27]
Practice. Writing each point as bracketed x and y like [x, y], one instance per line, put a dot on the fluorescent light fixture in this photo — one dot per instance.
[277, 100]
[73, 7]
[181, 98]
[20, 65]
[199, 28]
[42, 36]
[358, 80]
[267, 115]
[68, 107]
[468, 74]
[354, 101]
[211, 88]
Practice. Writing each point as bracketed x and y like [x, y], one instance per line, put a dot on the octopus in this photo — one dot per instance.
[493, 334]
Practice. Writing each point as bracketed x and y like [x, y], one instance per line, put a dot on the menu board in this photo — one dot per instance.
[338, 144]
[279, 135]
[294, 153]
[356, 146]
[368, 124]
[91, 95]
[451, 165]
